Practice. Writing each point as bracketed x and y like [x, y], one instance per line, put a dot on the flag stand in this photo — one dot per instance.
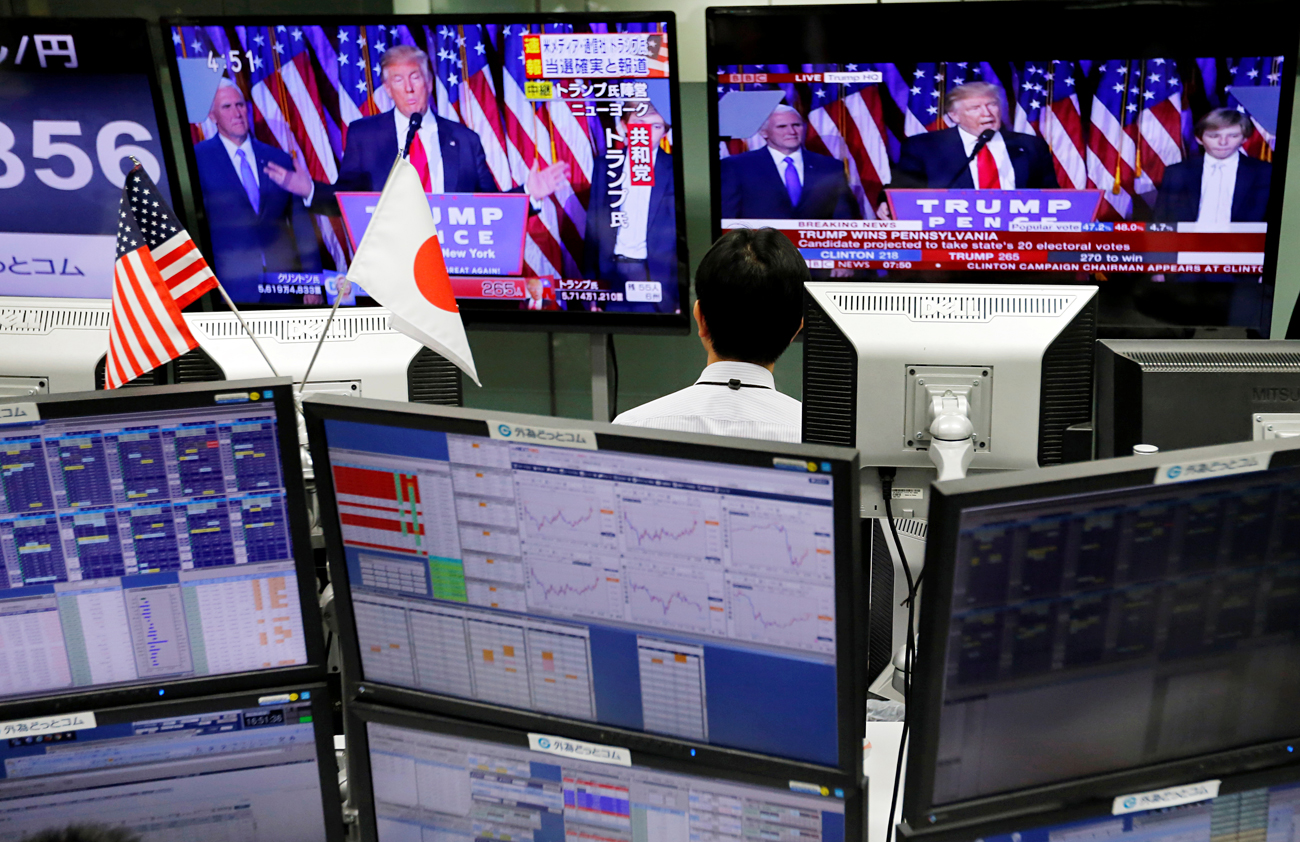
[338, 299]
[244, 325]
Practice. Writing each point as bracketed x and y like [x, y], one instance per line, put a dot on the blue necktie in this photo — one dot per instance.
[250, 183]
[792, 185]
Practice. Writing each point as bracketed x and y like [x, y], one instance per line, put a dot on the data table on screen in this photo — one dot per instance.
[672, 685]
[25, 478]
[80, 463]
[142, 465]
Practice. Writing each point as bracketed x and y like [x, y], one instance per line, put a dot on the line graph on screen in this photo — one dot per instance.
[568, 587]
[794, 617]
[658, 527]
[773, 543]
[660, 598]
[548, 514]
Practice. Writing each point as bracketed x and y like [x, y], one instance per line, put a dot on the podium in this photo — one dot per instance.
[996, 210]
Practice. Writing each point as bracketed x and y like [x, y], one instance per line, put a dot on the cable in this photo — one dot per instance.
[613, 392]
[887, 491]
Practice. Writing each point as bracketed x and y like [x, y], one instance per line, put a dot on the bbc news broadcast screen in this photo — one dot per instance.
[1143, 161]
[547, 150]
[78, 101]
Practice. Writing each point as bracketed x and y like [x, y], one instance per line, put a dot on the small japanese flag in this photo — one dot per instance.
[399, 264]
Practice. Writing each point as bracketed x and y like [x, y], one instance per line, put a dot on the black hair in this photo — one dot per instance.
[750, 290]
[84, 833]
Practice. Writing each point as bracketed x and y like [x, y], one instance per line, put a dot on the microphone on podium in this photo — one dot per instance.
[417, 119]
[980, 143]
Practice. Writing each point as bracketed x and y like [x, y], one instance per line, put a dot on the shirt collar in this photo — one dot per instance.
[426, 122]
[1229, 163]
[969, 140]
[247, 146]
[753, 375]
[779, 157]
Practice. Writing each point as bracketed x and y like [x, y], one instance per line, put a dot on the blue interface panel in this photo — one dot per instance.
[430, 785]
[137, 548]
[249, 773]
[679, 597]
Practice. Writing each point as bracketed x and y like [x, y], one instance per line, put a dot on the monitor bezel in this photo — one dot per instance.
[322, 716]
[197, 396]
[1019, 23]
[980, 830]
[851, 585]
[1095, 791]
[578, 321]
[124, 37]
[361, 792]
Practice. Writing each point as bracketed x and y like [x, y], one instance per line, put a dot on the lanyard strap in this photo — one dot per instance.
[733, 384]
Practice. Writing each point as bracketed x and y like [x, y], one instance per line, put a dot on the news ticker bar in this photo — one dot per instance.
[581, 290]
[1136, 247]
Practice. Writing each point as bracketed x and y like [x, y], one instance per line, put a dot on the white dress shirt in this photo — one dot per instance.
[998, 146]
[233, 151]
[630, 241]
[1218, 183]
[428, 133]
[721, 411]
[779, 158]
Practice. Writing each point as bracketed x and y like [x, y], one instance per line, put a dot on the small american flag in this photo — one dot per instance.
[158, 271]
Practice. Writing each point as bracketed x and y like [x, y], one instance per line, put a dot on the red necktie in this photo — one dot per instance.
[420, 161]
[985, 165]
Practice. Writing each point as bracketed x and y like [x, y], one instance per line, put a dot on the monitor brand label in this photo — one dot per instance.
[24, 412]
[550, 436]
[1209, 468]
[1160, 798]
[40, 726]
[577, 750]
[908, 494]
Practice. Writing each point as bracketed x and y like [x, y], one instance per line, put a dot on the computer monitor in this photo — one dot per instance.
[415, 776]
[256, 766]
[875, 360]
[1155, 392]
[677, 593]
[1090, 631]
[548, 142]
[361, 356]
[80, 100]
[1099, 126]
[1261, 806]
[153, 539]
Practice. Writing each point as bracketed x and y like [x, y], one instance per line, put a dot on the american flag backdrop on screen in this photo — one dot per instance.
[307, 84]
[846, 122]
[158, 272]
[1114, 125]
[1047, 104]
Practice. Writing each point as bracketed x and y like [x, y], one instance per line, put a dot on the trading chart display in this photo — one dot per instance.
[685, 598]
[141, 547]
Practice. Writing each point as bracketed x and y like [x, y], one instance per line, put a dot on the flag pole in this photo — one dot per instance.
[246, 328]
[338, 299]
[136, 163]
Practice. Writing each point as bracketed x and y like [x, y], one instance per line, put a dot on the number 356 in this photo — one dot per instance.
[46, 147]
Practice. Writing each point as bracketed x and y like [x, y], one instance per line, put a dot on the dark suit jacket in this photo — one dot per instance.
[371, 150]
[1180, 191]
[753, 188]
[661, 235]
[547, 304]
[932, 159]
[279, 236]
